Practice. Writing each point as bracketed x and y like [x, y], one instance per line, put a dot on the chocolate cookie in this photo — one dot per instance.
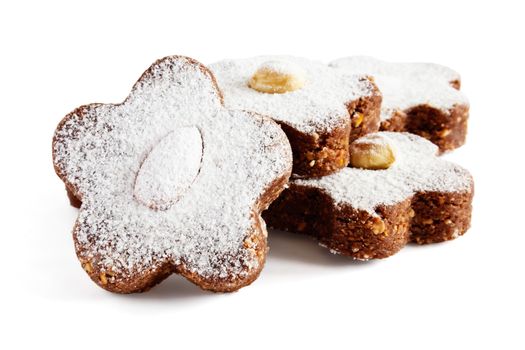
[170, 181]
[421, 98]
[396, 191]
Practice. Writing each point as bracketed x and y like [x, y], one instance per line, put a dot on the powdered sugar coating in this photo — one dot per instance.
[283, 67]
[99, 149]
[373, 139]
[319, 106]
[406, 85]
[416, 169]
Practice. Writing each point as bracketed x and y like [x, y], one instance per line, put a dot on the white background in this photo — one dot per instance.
[464, 294]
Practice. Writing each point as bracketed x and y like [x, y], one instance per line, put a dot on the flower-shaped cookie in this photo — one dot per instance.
[321, 109]
[171, 182]
[421, 98]
[397, 191]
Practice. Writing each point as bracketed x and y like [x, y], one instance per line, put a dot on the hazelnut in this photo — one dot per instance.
[357, 119]
[87, 267]
[277, 77]
[372, 152]
[378, 227]
[249, 242]
[444, 133]
[103, 278]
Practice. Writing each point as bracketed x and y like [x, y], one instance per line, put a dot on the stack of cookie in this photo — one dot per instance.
[175, 178]
[357, 187]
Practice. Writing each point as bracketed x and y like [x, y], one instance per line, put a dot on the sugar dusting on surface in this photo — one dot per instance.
[283, 67]
[100, 151]
[416, 169]
[319, 106]
[405, 85]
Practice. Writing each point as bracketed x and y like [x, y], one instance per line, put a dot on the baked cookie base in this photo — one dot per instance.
[427, 217]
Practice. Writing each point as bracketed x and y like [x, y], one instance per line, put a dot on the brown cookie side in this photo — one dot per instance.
[318, 154]
[446, 129]
[323, 153]
[302, 209]
[342, 229]
[440, 217]
[397, 122]
[356, 233]
[365, 114]
[363, 236]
